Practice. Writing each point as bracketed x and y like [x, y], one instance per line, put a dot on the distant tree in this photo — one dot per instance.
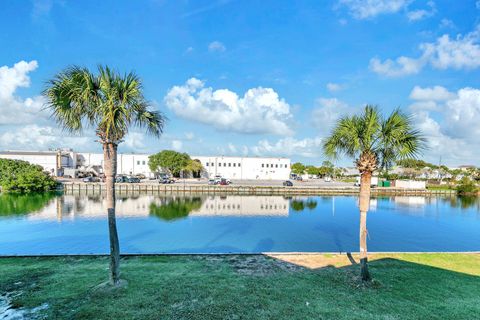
[372, 141]
[171, 161]
[195, 167]
[22, 176]
[467, 187]
[298, 168]
[312, 170]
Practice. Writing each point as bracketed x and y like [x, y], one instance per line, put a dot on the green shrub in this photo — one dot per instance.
[466, 186]
[21, 176]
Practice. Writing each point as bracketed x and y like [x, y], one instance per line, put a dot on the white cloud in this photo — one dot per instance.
[189, 135]
[365, 9]
[327, 112]
[260, 110]
[451, 126]
[461, 52]
[334, 87]
[135, 141]
[216, 46]
[420, 14]
[177, 145]
[36, 137]
[447, 23]
[400, 67]
[436, 93]
[308, 147]
[13, 109]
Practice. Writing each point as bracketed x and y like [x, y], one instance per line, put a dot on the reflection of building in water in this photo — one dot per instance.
[70, 207]
[410, 201]
[243, 206]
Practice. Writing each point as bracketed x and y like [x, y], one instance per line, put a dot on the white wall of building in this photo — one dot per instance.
[246, 168]
[49, 160]
[410, 184]
[251, 168]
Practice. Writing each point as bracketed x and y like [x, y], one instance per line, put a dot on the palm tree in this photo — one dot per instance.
[374, 142]
[110, 103]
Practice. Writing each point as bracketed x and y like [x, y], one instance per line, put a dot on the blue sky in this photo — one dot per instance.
[257, 78]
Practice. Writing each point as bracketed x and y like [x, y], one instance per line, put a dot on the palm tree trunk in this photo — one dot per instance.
[110, 165]
[365, 181]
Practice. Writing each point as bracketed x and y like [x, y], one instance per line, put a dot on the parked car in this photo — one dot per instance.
[223, 182]
[327, 179]
[133, 180]
[212, 182]
[140, 176]
[120, 179]
[165, 180]
[287, 183]
[91, 179]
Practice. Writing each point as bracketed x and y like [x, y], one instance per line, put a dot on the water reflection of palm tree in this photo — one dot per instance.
[175, 208]
[19, 204]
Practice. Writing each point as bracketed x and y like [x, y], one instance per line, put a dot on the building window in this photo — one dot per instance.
[234, 164]
[286, 166]
[263, 165]
[219, 164]
[143, 162]
[206, 164]
[276, 166]
[239, 164]
[138, 162]
[229, 164]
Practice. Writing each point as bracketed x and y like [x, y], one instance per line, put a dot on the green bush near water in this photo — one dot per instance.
[22, 176]
[466, 187]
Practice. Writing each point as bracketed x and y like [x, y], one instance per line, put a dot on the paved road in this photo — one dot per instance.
[268, 183]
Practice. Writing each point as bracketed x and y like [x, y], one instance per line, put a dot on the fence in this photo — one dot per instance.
[269, 190]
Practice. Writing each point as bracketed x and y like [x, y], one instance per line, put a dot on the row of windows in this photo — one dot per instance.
[224, 164]
[138, 162]
[233, 206]
[272, 166]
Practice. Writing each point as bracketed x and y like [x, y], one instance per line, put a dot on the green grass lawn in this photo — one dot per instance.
[406, 286]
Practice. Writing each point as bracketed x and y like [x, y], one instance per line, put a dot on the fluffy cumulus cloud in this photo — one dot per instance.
[259, 110]
[14, 109]
[460, 52]
[308, 147]
[365, 9]
[451, 126]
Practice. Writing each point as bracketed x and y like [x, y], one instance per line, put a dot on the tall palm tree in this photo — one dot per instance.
[110, 103]
[374, 142]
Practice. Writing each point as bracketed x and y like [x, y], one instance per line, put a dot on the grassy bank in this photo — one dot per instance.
[406, 286]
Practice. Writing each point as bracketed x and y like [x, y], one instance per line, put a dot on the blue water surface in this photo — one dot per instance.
[77, 224]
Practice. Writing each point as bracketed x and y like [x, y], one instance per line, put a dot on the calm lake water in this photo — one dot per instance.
[77, 224]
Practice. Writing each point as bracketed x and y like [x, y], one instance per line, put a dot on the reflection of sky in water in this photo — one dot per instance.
[154, 224]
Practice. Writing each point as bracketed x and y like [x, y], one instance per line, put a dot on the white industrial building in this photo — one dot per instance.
[56, 162]
[242, 168]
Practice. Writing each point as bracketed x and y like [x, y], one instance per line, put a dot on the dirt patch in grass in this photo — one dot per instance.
[254, 264]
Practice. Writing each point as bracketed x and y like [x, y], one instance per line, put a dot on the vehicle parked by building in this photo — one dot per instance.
[287, 183]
